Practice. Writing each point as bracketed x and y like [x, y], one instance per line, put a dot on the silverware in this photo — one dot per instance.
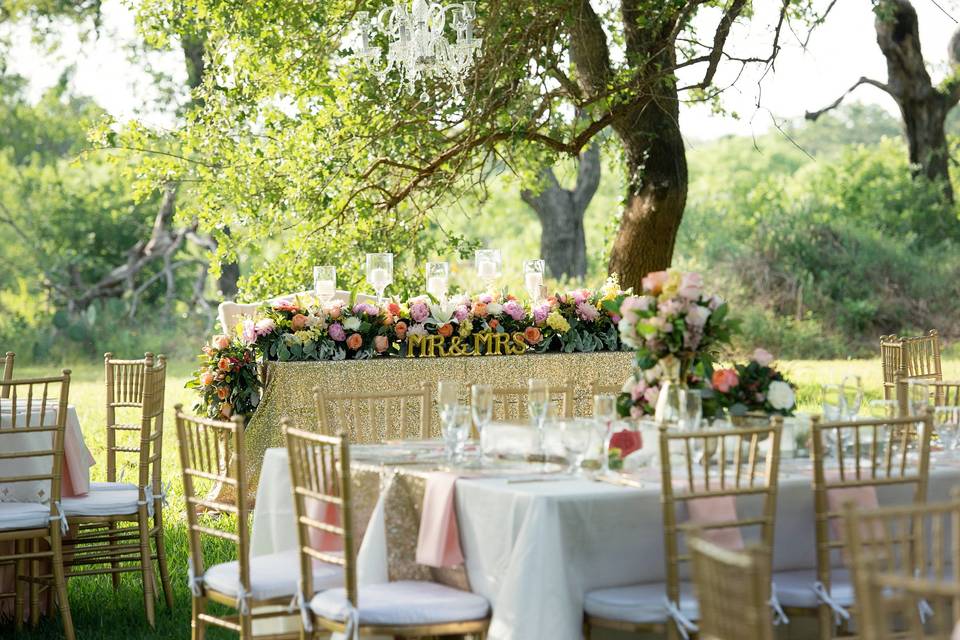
[620, 482]
[544, 479]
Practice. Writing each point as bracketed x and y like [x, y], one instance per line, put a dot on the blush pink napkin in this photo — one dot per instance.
[438, 544]
[862, 497]
[77, 461]
[713, 511]
[328, 514]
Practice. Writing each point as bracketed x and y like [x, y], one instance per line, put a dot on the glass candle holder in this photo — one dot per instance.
[438, 279]
[379, 272]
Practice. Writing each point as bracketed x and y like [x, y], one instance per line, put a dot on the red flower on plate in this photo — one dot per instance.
[626, 441]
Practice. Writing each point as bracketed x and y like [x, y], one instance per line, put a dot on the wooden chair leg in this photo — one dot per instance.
[197, 628]
[146, 568]
[60, 582]
[19, 586]
[111, 534]
[35, 586]
[586, 630]
[246, 627]
[162, 558]
[825, 616]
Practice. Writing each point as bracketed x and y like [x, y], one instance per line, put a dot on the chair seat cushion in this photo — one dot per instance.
[795, 588]
[401, 603]
[640, 603]
[112, 486]
[119, 502]
[23, 515]
[271, 576]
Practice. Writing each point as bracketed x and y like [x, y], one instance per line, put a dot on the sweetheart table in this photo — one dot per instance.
[289, 389]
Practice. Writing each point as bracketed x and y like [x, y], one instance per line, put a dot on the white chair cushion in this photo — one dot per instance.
[640, 603]
[111, 486]
[795, 588]
[271, 576]
[23, 515]
[403, 603]
[119, 502]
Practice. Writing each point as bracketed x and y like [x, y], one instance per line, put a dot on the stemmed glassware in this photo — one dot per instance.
[691, 409]
[324, 283]
[538, 405]
[852, 389]
[576, 436]
[379, 272]
[605, 413]
[834, 410]
[488, 263]
[533, 278]
[456, 431]
[918, 397]
[946, 421]
[438, 279]
[481, 402]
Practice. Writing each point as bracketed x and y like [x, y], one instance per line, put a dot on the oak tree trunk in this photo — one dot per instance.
[563, 244]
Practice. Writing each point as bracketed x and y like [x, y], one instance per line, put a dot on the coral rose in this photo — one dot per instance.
[445, 330]
[220, 342]
[532, 335]
[206, 378]
[494, 323]
[355, 341]
[400, 329]
[724, 379]
[480, 309]
[381, 344]
[223, 392]
[224, 364]
[298, 322]
[393, 308]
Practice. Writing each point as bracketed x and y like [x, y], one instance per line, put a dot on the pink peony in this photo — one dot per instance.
[670, 307]
[724, 380]
[587, 312]
[220, 342]
[762, 357]
[513, 309]
[540, 313]
[336, 332]
[265, 327]
[654, 281]
[461, 313]
[691, 286]
[419, 311]
[580, 295]
[485, 298]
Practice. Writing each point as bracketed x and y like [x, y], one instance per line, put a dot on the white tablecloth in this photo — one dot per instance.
[535, 548]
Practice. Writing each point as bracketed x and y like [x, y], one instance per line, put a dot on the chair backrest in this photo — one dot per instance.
[886, 452]
[733, 591]
[510, 403]
[599, 388]
[891, 359]
[746, 464]
[134, 409]
[370, 418]
[7, 373]
[211, 455]
[921, 355]
[32, 424]
[320, 473]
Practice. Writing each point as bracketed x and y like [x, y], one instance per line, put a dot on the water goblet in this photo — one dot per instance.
[448, 396]
[691, 409]
[379, 272]
[576, 436]
[946, 421]
[538, 406]
[456, 431]
[438, 278]
[533, 278]
[918, 397]
[852, 389]
[481, 403]
[604, 413]
[324, 283]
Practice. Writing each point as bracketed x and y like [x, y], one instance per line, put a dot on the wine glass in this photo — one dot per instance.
[834, 403]
[379, 272]
[533, 278]
[918, 397]
[605, 413]
[456, 430]
[538, 405]
[481, 402]
[691, 409]
[852, 389]
[946, 421]
[576, 436]
[324, 283]
[448, 396]
[438, 278]
[488, 263]
[882, 409]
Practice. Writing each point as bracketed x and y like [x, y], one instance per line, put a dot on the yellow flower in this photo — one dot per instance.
[557, 322]
[303, 336]
[610, 288]
[466, 328]
[672, 286]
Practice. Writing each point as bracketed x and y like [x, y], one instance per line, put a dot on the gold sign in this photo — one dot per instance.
[478, 344]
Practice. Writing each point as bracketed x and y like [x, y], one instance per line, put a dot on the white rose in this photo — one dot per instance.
[494, 309]
[351, 324]
[780, 395]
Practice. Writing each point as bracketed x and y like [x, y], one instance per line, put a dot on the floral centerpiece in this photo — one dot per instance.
[227, 379]
[754, 388]
[676, 329]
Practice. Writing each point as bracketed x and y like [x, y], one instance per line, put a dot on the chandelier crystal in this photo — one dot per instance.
[418, 49]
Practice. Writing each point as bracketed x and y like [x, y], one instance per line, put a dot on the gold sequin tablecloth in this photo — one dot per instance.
[289, 390]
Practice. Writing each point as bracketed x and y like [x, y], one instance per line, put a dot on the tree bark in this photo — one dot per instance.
[563, 244]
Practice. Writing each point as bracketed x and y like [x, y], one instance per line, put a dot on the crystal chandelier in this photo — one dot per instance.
[418, 48]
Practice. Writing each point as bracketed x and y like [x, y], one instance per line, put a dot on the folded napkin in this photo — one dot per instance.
[627, 441]
[863, 498]
[77, 461]
[704, 511]
[438, 544]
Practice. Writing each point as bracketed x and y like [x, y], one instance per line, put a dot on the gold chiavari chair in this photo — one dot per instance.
[372, 418]
[32, 424]
[891, 360]
[698, 468]
[903, 560]
[116, 522]
[884, 453]
[598, 388]
[212, 454]
[320, 473]
[510, 403]
[916, 357]
[733, 591]
[7, 373]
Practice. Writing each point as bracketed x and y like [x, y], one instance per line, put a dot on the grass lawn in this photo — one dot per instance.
[101, 613]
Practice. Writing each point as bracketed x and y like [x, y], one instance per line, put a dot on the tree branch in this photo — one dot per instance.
[720, 40]
[813, 115]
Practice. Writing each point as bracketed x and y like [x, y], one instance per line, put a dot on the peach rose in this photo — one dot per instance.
[393, 308]
[335, 311]
[223, 392]
[220, 342]
[224, 364]
[208, 350]
[206, 378]
[494, 323]
[355, 341]
[298, 322]
[480, 309]
[401, 330]
[532, 335]
[226, 409]
[446, 330]
[381, 344]
[724, 379]
[653, 282]
[388, 320]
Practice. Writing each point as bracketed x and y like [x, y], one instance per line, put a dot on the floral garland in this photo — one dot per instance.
[300, 329]
[755, 387]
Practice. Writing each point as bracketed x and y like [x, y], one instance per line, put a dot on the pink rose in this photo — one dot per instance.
[335, 310]
[691, 286]
[654, 281]
[651, 395]
[762, 357]
[724, 380]
[697, 316]
[220, 342]
[249, 332]
[381, 344]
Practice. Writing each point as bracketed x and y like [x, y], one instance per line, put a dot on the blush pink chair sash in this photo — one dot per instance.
[863, 498]
[77, 461]
[438, 544]
[703, 511]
